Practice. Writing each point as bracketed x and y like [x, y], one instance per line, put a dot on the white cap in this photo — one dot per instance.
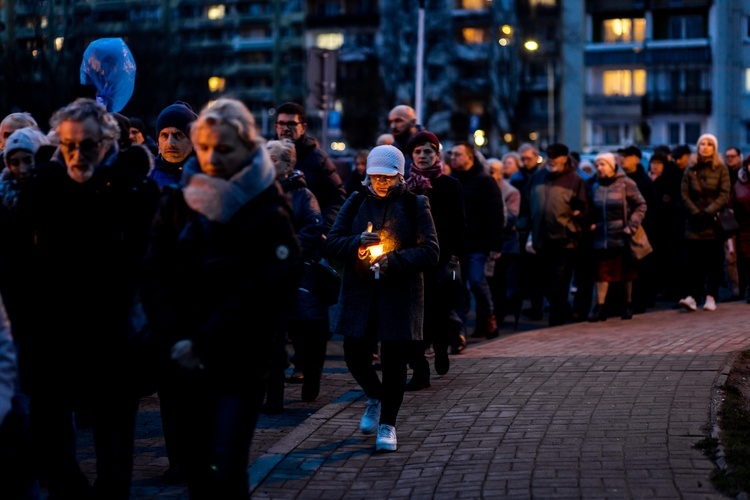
[385, 160]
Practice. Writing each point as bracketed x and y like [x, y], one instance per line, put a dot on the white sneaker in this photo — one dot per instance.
[371, 418]
[689, 304]
[710, 304]
[386, 440]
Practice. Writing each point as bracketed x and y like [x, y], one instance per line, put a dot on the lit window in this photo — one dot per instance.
[543, 3]
[43, 22]
[624, 82]
[624, 30]
[330, 41]
[474, 35]
[59, 43]
[216, 84]
[747, 79]
[474, 4]
[216, 12]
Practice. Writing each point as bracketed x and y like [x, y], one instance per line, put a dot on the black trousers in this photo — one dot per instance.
[394, 355]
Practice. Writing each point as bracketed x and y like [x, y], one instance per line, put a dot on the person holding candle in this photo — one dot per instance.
[382, 297]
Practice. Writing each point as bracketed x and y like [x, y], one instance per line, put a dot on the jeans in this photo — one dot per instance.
[473, 265]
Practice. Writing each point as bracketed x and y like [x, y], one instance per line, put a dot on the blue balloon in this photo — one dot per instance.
[109, 67]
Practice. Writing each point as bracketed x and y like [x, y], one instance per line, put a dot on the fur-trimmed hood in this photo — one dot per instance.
[219, 199]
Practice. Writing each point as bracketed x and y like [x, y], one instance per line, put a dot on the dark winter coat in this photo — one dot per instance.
[310, 229]
[224, 279]
[89, 239]
[552, 200]
[167, 173]
[608, 200]
[705, 191]
[485, 210]
[322, 177]
[411, 242]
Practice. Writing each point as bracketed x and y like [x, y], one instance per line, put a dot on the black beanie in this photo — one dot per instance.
[178, 115]
[138, 123]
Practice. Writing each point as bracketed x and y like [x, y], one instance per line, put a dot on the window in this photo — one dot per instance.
[611, 134]
[330, 41]
[624, 30]
[747, 80]
[624, 82]
[473, 4]
[692, 132]
[673, 131]
[686, 27]
[475, 35]
[216, 12]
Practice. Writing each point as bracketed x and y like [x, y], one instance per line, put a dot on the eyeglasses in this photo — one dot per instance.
[731, 156]
[287, 124]
[85, 146]
[382, 178]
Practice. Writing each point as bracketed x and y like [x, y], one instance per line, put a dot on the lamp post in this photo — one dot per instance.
[532, 46]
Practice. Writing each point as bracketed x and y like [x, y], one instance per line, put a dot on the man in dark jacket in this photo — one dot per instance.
[175, 148]
[402, 120]
[90, 215]
[321, 174]
[485, 217]
[556, 209]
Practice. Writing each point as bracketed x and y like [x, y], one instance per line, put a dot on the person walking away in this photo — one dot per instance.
[442, 293]
[705, 191]
[222, 268]
[382, 295]
[89, 214]
[557, 209]
[616, 210]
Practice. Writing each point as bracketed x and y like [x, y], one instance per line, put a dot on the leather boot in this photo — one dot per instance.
[627, 313]
[597, 314]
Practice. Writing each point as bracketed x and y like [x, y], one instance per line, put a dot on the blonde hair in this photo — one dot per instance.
[231, 112]
[285, 153]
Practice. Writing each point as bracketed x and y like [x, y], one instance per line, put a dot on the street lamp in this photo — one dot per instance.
[532, 46]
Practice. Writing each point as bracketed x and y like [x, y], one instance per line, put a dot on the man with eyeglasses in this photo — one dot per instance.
[88, 216]
[321, 174]
[557, 208]
[733, 161]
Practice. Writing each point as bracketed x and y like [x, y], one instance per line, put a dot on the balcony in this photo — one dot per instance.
[653, 52]
[604, 106]
[358, 20]
[679, 4]
[698, 102]
[597, 6]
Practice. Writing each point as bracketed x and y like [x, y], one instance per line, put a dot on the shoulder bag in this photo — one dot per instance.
[638, 241]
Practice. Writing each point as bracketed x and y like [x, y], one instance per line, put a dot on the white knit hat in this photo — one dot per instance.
[28, 139]
[608, 157]
[711, 138]
[385, 160]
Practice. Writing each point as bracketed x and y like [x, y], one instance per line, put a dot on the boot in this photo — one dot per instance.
[597, 314]
[627, 313]
[492, 329]
[420, 379]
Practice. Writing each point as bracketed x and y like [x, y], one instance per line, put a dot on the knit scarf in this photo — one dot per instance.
[419, 178]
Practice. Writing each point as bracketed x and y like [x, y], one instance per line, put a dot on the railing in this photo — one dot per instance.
[698, 102]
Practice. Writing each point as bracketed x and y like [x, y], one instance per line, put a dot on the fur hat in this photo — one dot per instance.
[557, 150]
[422, 137]
[28, 139]
[178, 115]
[711, 138]
[385, 160]
[607, 157]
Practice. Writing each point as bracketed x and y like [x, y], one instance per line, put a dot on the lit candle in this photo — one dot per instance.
[375, 251]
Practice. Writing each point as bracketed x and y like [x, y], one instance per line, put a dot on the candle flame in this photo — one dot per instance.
[376, 250]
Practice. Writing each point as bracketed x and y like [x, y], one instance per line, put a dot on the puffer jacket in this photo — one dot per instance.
[608, 199]
[705, 191]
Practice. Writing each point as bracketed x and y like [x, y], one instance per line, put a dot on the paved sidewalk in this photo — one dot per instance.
[588, 410]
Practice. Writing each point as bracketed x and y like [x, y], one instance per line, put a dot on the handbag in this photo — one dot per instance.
[726, 223]
[638, 241]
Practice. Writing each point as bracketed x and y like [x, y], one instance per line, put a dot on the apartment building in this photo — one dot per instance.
[666, 71]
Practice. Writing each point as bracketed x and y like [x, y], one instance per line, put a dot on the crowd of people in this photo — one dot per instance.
[200, 251]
